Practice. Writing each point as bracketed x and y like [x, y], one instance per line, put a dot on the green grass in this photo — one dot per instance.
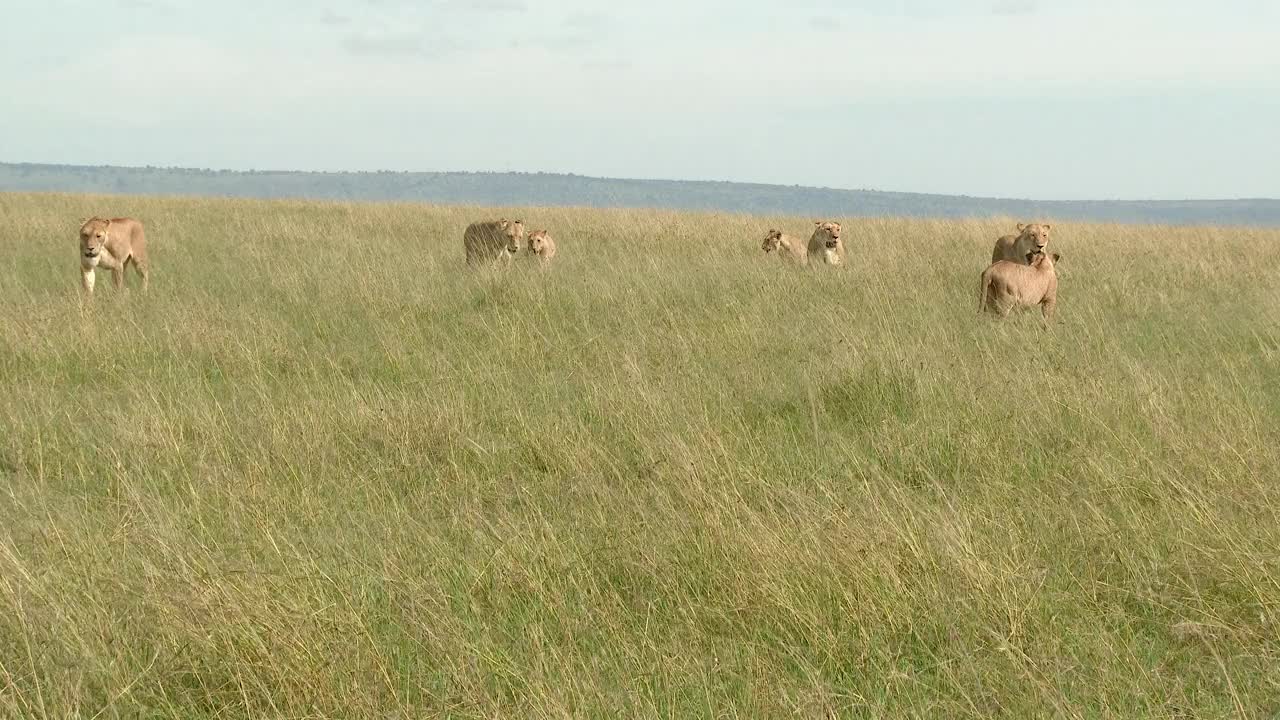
[322, 470]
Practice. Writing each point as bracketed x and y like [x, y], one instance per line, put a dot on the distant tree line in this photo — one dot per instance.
[511, 188]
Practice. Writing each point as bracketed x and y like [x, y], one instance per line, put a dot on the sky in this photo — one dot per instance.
[1041, 99]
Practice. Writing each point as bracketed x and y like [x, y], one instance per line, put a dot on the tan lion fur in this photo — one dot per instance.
[542, 245]
[115, 244]
[826, 245]
[494, 241]
[788, 248]
[1007, 284]
[1030, 239]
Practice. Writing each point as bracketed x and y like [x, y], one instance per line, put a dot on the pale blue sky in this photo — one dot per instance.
[1045, 99]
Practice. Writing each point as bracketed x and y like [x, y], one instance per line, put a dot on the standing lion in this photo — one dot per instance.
[115, 244]
[1007, 284]
[492, 242]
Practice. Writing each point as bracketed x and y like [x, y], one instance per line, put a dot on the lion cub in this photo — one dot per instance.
[114, 244]
[542, 246]
[787, 247]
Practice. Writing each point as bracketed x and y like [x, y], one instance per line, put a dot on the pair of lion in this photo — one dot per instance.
[825, 245]
[1021, 273]
[497, 241]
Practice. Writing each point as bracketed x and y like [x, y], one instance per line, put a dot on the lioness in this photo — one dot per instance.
[825, 242]
[1030, 239]
[494, 241]
[787, 247]
[542, 246]
[114, 244]
[1006, 284]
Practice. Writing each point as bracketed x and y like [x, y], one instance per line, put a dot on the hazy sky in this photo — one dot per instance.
[1028, 98]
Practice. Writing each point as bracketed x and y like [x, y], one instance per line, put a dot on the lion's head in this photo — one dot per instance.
[539, 240]
[828, 232]
[772, 241]
[94, 234]
[514, 230]
[1034, 236]
[1042, 259]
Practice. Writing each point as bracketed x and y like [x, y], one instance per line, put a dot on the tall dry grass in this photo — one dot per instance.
[323, 471]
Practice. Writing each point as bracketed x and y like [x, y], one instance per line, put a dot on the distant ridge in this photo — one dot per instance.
[509, 188]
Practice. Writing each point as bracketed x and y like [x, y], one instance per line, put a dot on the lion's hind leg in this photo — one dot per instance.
[140, 267]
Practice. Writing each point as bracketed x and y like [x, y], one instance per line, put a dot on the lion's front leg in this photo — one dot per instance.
[1046, 309]
[87, 279]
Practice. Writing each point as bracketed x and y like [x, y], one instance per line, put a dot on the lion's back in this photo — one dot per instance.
[1017, 281]
[133, 228]
[1006, 248]
[793, 249]
[483, 239]
[127, 234]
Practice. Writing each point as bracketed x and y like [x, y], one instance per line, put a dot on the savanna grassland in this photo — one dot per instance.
[322, 470]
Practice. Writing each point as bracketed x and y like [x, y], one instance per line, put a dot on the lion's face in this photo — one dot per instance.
[1040, 258]
[1036, 235]
[829, 232]
[514, 230]
[772, 241]
[93, 240]
[538, 241]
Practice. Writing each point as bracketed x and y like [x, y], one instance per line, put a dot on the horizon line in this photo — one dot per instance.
[278, 171]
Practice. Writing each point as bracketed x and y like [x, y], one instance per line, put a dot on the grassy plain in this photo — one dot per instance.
[321, 470]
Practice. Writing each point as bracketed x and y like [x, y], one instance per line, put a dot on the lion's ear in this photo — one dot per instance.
[107, 226]
[1047, 227]
[1021, 227]
[1056, 257]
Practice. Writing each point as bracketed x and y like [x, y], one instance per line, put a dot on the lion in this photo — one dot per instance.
[1030, 239]
[542, 246]
[1006, 284]
[826, 243]
[115, 244]
[494, 241]
[787, 247]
